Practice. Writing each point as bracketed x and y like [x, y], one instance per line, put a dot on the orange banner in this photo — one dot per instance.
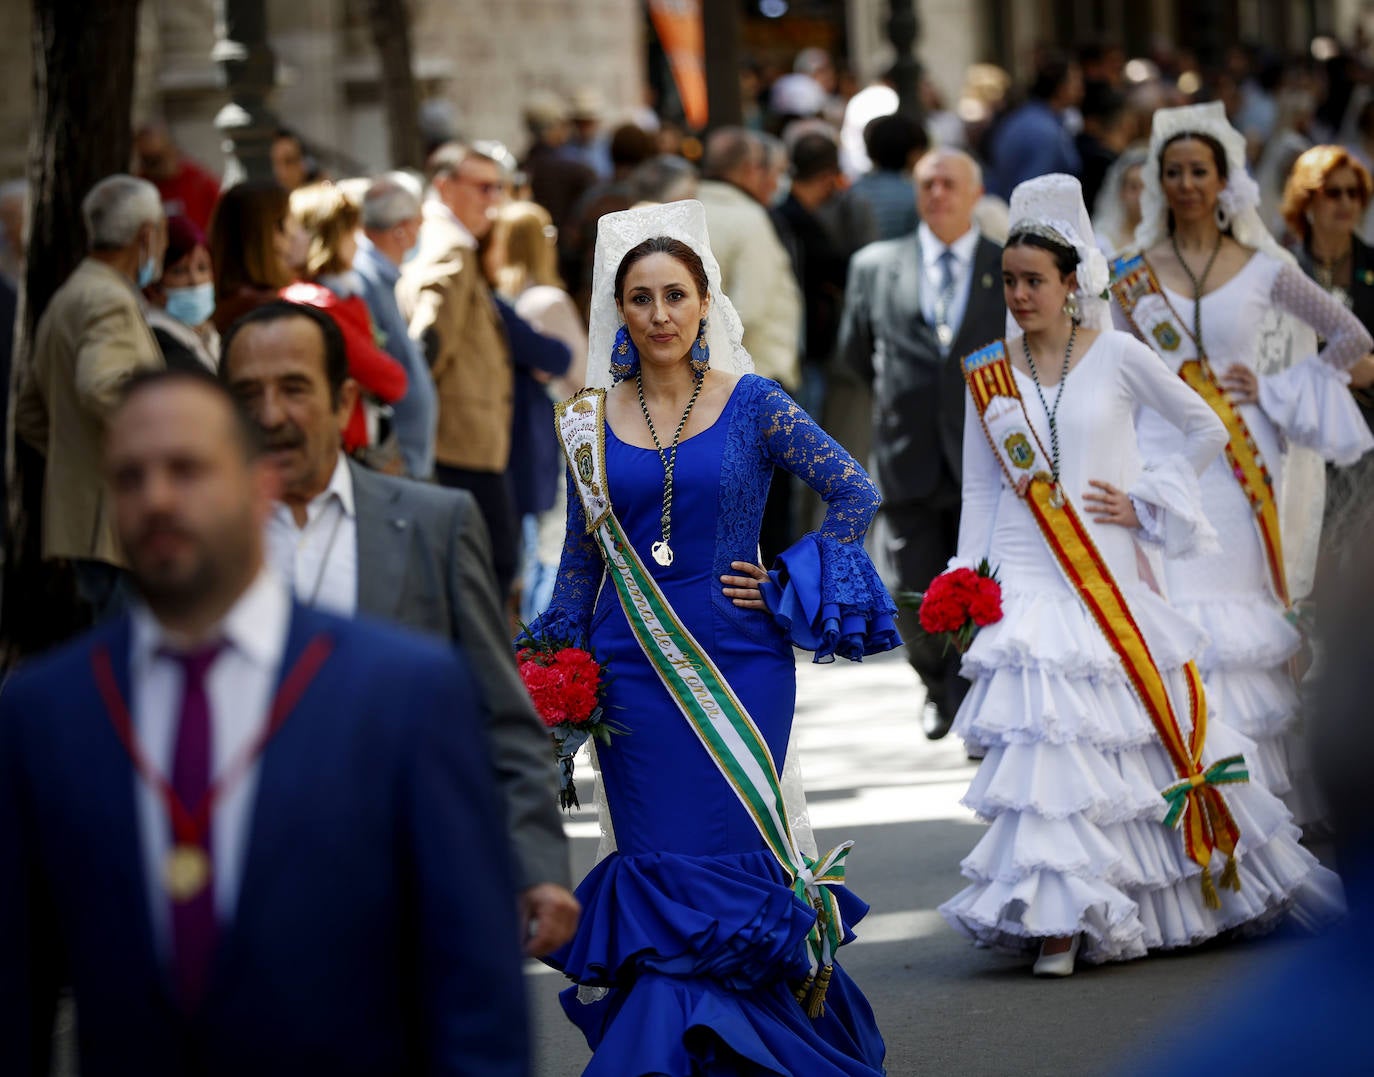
[679, 26]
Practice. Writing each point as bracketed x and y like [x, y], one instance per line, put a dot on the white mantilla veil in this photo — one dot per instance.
[1052, 207]
[616, 235]
[1283, 339]
[619, 233]
[1239, 199]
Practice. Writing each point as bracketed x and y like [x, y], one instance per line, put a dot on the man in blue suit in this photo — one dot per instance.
[252, 837]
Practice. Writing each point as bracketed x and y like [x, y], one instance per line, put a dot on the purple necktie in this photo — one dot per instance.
[194, 927]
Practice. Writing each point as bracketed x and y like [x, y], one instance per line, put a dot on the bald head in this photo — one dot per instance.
[948, 186]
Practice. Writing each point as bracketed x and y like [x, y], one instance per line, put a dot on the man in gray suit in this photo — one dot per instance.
[914, 307]
[351, 541]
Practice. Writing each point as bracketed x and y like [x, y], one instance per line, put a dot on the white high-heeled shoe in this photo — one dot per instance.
[1060, 964]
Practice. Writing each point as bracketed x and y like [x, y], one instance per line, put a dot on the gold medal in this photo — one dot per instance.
[185, 872]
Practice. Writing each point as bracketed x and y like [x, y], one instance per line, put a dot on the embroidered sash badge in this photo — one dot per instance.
[586, 464]
[1167, 336]
[1019, 450]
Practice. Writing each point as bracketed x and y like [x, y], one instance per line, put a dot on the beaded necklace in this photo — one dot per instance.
[1198, 283]
[663, 553]
[1057, 495]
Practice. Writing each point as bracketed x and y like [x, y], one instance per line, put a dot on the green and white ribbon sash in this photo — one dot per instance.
[715, 714]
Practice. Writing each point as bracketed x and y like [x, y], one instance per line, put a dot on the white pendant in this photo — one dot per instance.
[663, 553]
[1056, 496]
[945, 335]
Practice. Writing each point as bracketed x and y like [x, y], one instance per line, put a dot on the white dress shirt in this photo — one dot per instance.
[319, 561]
[931, 274]
[239, 686]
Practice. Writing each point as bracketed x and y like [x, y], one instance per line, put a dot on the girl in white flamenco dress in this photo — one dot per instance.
[1200, 236]
[1077, 860]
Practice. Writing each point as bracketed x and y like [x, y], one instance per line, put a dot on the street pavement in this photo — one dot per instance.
[943, 1006]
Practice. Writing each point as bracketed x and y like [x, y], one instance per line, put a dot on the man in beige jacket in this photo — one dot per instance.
[445, 298]
[90, 340]
[756, 272]
[738, 178]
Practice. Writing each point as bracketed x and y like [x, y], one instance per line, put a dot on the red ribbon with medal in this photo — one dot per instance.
[186, 871]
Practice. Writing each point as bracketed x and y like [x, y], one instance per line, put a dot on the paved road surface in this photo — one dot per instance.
[943, 1007]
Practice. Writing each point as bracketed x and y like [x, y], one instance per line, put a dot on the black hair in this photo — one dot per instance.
[674, 248]
[1065, 257]
[335, 351]
[1218, 158]
[891, 140]
[814, 155]
[143, 381]
[1050, 76]
[1218, 151]
[1102, 101]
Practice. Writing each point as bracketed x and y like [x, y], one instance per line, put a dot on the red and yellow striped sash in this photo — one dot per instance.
[1142, 300]
[1195, 801]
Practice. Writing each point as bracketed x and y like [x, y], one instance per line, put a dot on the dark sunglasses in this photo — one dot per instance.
[1335, 194]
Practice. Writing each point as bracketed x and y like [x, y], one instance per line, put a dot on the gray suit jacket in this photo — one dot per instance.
[424, 561]
[918, 394]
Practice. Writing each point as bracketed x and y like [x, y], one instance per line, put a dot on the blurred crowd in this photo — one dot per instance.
[462, 291]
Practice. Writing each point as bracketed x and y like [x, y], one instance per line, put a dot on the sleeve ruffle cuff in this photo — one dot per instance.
[1311, 404]
[1168, 500]
[827, 597]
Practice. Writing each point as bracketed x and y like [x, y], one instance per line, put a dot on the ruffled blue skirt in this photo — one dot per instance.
[698, 955]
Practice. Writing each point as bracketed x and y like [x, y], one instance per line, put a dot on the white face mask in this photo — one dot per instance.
[192, 305]
[149, 270]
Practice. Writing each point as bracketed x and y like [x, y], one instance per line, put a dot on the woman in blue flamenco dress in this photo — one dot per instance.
[700, 950]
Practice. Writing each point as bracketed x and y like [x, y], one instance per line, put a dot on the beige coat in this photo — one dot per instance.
[445, 298]
[756, 274]
[90, 340]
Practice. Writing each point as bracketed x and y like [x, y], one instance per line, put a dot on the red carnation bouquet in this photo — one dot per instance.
[568, 687]
[958, 603]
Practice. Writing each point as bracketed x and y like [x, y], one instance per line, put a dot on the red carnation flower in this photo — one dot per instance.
[941, 611]
[986, 605]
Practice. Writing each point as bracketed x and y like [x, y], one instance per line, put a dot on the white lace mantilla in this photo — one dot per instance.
[619, 233]
[1052, 206]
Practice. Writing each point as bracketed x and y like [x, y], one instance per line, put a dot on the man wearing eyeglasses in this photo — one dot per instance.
[448, 305]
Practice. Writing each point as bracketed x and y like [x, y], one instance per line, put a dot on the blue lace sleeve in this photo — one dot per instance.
[826, 594]
[569, 615]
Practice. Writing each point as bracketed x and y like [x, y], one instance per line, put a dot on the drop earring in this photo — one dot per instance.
[1071, 307]
[624, 355]
[700, 360]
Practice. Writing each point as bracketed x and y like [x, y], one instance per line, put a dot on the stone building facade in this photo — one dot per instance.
[476, 61]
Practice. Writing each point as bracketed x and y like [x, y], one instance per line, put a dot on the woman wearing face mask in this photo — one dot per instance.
[181, 304]
[1208, 276]
[1084, 693]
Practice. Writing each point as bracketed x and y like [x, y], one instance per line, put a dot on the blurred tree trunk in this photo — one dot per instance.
[83, 81]
[390, 20]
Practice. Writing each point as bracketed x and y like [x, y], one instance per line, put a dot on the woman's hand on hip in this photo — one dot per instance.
[1110, 505]
[743, 589]
[1362, 373]
[1241, 383]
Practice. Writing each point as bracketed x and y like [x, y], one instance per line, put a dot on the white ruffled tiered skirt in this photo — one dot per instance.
[1071, 787]
[1249, 645]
